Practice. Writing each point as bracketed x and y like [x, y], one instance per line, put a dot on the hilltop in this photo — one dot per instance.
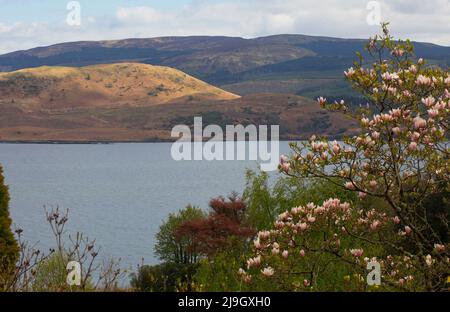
[112, 85]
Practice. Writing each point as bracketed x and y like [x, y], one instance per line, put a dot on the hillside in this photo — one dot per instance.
[294, 64]
[113, 85]
[138, 102]
[297, 116]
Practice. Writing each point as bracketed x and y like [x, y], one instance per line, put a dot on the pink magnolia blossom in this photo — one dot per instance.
[349, 186]
[336, 148]
[419, 123]
[433, 113]
[373, 184]
[302, 253]
[396, 220]
[306, 283]
[356, 252]
[423, 80]
[396, 131]
[285, 167]
[439, 247]
[268, 272]
[429, 101]
[349, 73]
[285, 254]
[375, 225]
[408, 230]
[375, 135]
[362, 195]
[412, 146]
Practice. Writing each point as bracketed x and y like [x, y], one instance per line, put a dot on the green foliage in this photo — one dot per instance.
[9, 249]
[170, 248]
[166, 277]
[220, 273]
[51, 274]
[266, 201]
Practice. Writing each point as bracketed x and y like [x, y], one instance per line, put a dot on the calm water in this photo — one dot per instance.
[116, 193]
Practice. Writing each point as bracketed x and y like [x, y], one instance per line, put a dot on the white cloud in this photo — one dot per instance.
[415, 19]
[140, 15]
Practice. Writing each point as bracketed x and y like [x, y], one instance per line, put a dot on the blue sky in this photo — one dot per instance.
[26, 24]
[54, 10]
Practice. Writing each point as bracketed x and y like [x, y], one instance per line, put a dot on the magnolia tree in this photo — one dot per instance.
[398, 163]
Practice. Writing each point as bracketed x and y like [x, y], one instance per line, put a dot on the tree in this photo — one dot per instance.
[400, 157]
[172, 248]
[222, 230]
[9, 249]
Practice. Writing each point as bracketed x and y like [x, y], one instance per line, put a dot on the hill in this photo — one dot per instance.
[112, 85]
[138, 102]
[294, 64]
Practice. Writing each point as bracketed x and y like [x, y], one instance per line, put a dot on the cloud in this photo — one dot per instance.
[141, 16]
[415, 19]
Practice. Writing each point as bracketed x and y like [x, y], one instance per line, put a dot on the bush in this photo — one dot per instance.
[166, 277]
[9, 249]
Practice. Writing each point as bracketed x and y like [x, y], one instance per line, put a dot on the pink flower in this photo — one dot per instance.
[285, 254]
[412, 146]
[283, 159]
[396, 131]
[365, 121]
[429, 260]
[415, 136]
[268, 272]
[356, 252]
[362, 195]
[396, 220]
[303, 226]
[439, 247]
[433, 113]
[311, 219]
[375, 225]
[285, 167]
[302, 253]
[264, 235]
[419, 123]
[429, 101]
[275, 251]
[336, 148]
[408, 230]
[253, 262]
[447, 94]
[349, 73]
[373, 184]
[396, 113]
[423, 80]
[306, 283]
[349, 186]
[375, 135]
[447, 81]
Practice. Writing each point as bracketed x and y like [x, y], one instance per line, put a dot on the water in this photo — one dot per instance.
[117, 193]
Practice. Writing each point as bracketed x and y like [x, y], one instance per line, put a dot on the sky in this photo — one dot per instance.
[26, 24]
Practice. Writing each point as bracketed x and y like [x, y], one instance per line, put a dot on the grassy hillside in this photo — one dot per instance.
[112, 85]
